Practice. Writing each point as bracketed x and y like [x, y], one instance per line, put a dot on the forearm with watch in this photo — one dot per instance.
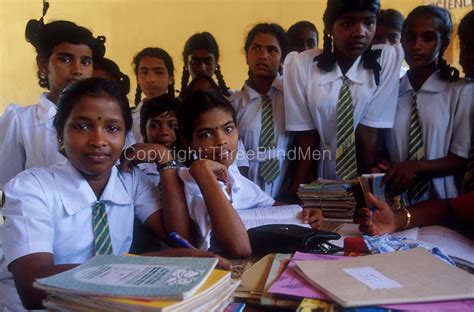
[175, 212]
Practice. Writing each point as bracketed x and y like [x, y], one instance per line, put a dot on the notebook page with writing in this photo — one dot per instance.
[289, 214]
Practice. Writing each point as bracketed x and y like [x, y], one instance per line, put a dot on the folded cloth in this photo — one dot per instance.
[388, 243]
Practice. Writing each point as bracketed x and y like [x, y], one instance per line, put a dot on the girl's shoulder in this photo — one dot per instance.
[304, 58]
[32, 183]
[390, 54]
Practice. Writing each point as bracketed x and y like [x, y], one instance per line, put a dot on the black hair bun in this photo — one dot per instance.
[32, 32]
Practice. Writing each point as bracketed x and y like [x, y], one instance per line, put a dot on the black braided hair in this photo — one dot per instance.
[221, 82]
[184, 81]
[205, 41]
[273, 29]
[138, 95]
[45, 37]
[335, 8]
[160, 54]
[446, 72]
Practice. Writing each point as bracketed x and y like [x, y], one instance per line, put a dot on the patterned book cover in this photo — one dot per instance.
[133, 277]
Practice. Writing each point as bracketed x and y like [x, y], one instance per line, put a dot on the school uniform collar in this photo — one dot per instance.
[76, 193]
[249, 94]
[46, 110]
[353, 74]
[434, 84]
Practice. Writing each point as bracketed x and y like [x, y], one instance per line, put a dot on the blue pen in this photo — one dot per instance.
[372, 209]
[181, 241]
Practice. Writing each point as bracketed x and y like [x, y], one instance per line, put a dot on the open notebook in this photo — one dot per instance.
[289, 214]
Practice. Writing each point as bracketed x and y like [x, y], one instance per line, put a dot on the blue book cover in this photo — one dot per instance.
[170, 278]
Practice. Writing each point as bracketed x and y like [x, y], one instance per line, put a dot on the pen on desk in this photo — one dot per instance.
[181, 241]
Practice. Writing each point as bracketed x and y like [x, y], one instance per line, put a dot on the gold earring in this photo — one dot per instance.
[61, 144]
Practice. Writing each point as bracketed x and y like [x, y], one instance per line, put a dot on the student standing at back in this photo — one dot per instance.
[389, 27]
[429, 143]
[154, 70]
[65, 53]
[201, 58]
[108, 69]
[338, 98]
[302, 36]
[260, 108]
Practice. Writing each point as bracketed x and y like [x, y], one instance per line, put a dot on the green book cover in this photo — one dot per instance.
[173, 278]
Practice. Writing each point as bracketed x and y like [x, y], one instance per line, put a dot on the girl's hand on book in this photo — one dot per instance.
[185, 252]
[313, 217]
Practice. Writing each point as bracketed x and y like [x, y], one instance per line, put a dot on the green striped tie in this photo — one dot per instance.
[416, 151]
[346, 163]
[103, 245]
[469, 176]
[270, 168]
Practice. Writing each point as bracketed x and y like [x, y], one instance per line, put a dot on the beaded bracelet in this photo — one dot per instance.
[168, 165]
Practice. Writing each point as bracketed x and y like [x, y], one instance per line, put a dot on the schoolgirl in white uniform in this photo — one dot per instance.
[51, 213]
[154, 70]
[205, 83]
[265, 48]
[65, 53]
[213, 186]
[443, 109]
[313, 81]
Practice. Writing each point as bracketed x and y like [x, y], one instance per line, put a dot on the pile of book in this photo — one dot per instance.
[381, 282]
[124, 283]
[335, 198]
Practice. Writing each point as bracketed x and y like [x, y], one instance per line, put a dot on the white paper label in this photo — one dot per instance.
[372, 278]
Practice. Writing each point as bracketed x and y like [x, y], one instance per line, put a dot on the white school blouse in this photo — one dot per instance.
[248, 106]
[29, 140]
[444, 111]
[311, 96]
[49, 210]
[245, 195]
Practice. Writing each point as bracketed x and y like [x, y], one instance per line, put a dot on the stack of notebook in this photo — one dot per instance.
[335, 198]
[122, 283]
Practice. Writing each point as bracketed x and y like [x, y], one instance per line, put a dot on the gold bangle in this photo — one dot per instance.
[408, 214]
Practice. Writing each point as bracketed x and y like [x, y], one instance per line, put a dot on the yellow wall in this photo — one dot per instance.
[131, 25]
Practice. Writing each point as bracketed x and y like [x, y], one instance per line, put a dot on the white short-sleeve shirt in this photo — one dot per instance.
[311, 96]
[49, 210]
[248, 106]
[245, 195]
[29, 139]
[444, 111]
